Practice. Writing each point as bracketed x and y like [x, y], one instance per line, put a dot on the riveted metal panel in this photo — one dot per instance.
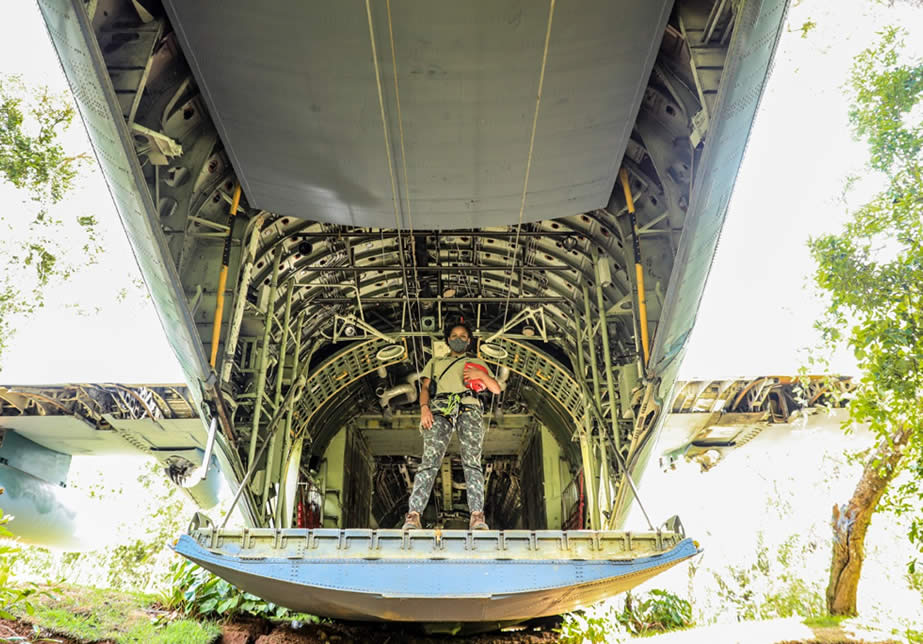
[454, 574]
[72, 35]
[293, 90]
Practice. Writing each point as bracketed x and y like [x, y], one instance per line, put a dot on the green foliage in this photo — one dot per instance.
[18, 597]
[592, 625]
[872, 270]
[773, 585]
[92, 614]
[198, 593]
[35, 162]
[31, 156]
[657, 612]
[825, 621]
[807, 27]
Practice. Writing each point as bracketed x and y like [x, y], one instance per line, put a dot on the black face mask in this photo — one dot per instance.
[458, 345]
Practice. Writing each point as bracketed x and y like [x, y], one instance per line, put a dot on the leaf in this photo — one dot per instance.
[227, 605]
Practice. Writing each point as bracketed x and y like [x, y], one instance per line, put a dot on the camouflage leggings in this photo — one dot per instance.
[470, 428]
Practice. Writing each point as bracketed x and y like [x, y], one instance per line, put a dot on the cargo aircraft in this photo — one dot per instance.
[313, 190]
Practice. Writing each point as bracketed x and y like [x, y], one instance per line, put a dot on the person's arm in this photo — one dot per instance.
[471, 373]
[426, 414]
[424, 392]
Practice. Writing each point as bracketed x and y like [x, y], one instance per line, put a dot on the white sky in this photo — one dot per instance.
[755, 315]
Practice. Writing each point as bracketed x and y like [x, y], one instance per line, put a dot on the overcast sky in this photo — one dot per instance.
[755, 316]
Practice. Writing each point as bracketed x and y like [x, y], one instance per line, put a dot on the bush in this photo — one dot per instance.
[657, 612]
[195, 592]
[660, 611]
[13, 599]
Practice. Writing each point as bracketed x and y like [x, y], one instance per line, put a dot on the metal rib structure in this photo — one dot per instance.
[314, 190]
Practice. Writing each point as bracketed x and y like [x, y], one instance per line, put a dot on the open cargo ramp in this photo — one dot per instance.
[434, 575]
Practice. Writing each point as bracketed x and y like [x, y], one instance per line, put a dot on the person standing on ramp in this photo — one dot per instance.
[448, 401]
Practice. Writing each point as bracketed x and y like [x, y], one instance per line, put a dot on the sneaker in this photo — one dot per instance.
[477, 522]
[412, 522]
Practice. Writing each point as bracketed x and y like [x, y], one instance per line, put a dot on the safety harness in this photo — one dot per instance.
[448, 404]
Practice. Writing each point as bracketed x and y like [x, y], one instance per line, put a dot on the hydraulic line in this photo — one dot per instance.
[223, 278]
[639, 269]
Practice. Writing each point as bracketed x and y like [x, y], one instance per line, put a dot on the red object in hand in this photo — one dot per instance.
[475, 385]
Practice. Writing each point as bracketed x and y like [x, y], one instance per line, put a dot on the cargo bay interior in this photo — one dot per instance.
[332, 183]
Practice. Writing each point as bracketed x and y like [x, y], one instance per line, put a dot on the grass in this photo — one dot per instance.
[95, 614]
[824, 621]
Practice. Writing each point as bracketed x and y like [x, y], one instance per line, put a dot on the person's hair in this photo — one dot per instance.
[454, 325]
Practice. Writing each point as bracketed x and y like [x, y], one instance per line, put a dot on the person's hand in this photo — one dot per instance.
[473, 373]
[426, 417]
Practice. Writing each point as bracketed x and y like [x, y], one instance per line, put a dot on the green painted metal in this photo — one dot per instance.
[591, 485]
[607, 357]
[290, 409]
[335, 476]
[551, 478]
[262, 365]
[276, 453]
[459, 545]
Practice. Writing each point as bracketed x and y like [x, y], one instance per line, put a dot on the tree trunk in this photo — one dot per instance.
[851, 521]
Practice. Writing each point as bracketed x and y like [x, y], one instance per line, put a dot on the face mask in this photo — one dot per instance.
[458, 345]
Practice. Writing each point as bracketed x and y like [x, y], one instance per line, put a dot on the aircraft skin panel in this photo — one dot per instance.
[753, 44]
[78, 51]
[759, 27]
[453, 574]
[293, 91]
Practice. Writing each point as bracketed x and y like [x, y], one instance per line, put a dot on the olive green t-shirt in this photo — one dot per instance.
[453, 379]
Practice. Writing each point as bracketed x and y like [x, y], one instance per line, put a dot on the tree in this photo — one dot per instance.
[34, 161]
[872, 272]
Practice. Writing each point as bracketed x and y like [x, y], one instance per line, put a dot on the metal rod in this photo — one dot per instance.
[223, 278]
[639, 269]
[591, 483]
[290, 408]
[589, 467]
[371, 268]
[198, 474]
[277, 398]
[594, 369]
[448, 300]
[432, 233]
[607, 359]
[240, 298]
[293, 392]
[634, 490]
[597, 413]
[263, 355]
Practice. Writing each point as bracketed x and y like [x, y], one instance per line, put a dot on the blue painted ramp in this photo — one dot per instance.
[434, 576]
